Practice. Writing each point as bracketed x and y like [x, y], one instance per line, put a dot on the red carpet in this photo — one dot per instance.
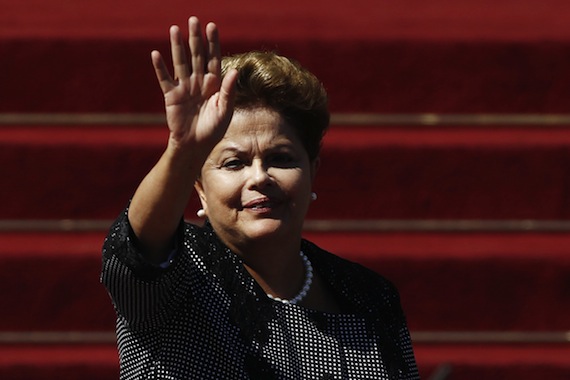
[99, 362]
[387, 173]
[376, 56]
[458, 282]
[517, 20]
[404, 57]
[391, 77]
[74, 362]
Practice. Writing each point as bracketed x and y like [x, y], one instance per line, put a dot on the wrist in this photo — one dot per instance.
[187, 161]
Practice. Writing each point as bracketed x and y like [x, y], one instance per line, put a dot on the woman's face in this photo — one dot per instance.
[256, 184]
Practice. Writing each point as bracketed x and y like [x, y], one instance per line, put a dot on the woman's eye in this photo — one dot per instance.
[281, 160]
[233, 164]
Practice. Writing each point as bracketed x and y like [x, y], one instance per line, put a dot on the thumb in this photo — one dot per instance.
[227, 92]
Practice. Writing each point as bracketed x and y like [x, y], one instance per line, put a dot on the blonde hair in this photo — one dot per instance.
[269, 80]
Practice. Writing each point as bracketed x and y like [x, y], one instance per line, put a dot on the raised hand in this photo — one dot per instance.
[199, 107]
[199, 103]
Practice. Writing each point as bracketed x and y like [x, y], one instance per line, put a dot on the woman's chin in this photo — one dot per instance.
[268, 229]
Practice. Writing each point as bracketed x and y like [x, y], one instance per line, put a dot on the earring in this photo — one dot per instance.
[313, 196]
[201, 213]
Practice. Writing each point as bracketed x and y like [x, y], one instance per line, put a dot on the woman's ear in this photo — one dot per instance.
[200, 190]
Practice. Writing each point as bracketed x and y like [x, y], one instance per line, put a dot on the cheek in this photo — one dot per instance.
[297, 183]
[221, 191]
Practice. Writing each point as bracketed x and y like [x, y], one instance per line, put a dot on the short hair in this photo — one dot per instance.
[267, 79]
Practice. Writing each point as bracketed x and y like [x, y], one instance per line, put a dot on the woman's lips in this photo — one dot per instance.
[264, 204]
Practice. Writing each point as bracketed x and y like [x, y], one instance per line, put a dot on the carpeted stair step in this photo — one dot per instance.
[451, 282]
[493, 362]
[394, 173]
[59, 362]
[459, 362]
[374, 56]
[375, 76]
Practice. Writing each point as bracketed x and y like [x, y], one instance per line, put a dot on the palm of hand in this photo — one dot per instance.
[199, 104]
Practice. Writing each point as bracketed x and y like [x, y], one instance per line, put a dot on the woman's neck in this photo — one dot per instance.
[280, 271]
[277, 268]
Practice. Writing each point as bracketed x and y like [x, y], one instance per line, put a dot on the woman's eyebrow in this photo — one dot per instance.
[282, 144]
[232, 148]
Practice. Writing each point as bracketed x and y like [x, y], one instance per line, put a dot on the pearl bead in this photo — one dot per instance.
[306, 286]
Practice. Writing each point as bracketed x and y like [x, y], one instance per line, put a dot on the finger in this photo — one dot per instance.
[227, 92]
[214, 52]
[196, 46]
[181, 69]
[164, 79]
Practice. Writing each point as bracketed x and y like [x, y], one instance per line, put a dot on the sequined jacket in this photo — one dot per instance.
[205, 317]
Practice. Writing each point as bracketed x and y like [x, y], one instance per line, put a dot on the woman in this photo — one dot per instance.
[244, 296]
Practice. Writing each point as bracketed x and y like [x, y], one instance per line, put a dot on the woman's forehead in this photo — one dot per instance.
[258, 126]
[255, 117]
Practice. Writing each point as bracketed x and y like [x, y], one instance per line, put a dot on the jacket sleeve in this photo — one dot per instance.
[143, 294]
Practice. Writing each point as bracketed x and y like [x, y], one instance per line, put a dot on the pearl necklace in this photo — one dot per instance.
[306, 286]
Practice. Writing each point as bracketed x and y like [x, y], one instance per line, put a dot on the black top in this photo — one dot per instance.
[205, 317]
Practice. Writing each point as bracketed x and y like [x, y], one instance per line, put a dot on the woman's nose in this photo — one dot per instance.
[260, 176]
